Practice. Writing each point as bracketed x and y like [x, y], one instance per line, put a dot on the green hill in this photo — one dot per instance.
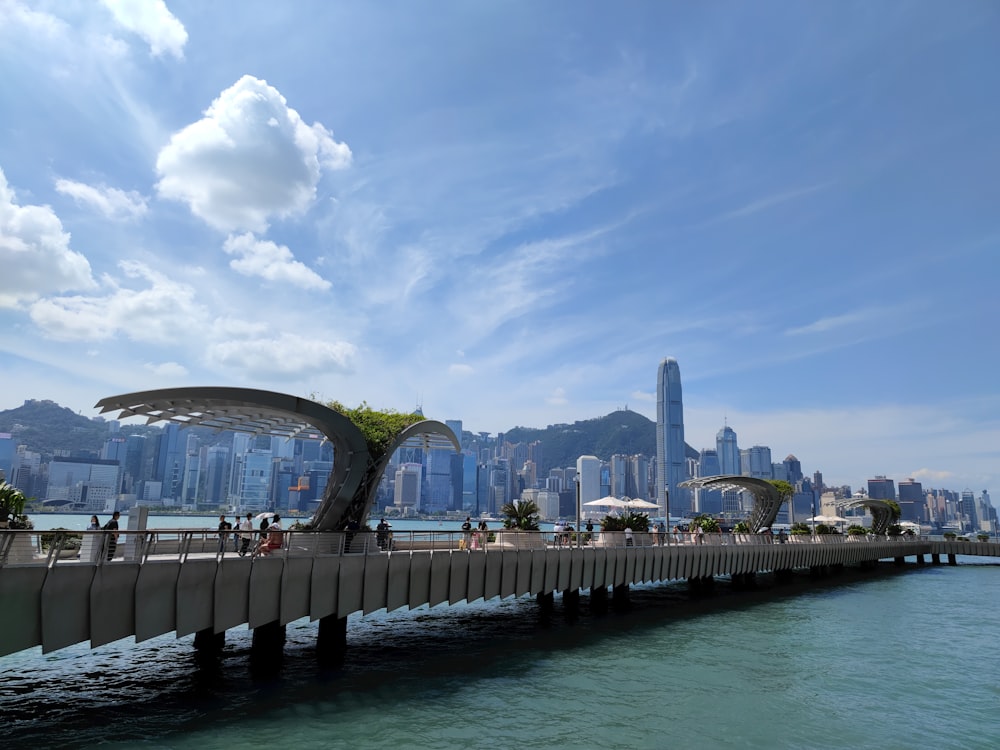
[623, 431]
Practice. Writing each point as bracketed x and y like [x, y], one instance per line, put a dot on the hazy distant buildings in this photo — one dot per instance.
[670, 459]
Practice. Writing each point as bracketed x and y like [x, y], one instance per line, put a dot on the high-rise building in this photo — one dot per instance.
[912, 502]
[588, 469]
[881, 488]
[670, 466]
[756, 462]
[728, 450]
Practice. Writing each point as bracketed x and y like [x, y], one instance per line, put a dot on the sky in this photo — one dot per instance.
[510, 212]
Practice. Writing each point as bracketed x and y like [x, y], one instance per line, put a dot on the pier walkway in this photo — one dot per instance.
[179, 581]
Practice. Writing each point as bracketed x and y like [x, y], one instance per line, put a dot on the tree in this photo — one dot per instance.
[521, 514]
[785, 490]
[706, 523]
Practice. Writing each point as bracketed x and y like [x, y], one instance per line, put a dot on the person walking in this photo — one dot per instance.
[112, 527]
[466, 534]
[246, 532]
[236, 534]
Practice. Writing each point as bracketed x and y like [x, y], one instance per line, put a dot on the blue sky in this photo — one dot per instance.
[511, 212]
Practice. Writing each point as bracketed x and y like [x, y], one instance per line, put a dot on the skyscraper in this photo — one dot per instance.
[728, 450]
[670, 467]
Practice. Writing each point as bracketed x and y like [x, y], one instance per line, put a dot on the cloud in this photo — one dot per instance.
[167, 369]
[113, 203]
[830, 323]
[249, 159]
[153, 21]
[644, 396]
[460, 369]
[557, 397]
[35, 256]
[931, 475]
[282, 356]
[769, 201]
[165, 311]
[270, 261]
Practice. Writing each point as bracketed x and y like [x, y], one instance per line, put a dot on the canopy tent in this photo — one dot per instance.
[607, 502]
[827, 519]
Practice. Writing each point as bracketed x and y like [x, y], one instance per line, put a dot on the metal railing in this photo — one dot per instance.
[31, 547]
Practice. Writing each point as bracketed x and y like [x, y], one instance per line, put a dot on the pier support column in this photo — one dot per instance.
[951, 559]
[571, 603]
[783, 576]
[899, 560]
[268, 641]
[331, 641]
[620, 598]
[207, 641]
[935, 559]
[920, 560]
[546, 602]
[599, 600]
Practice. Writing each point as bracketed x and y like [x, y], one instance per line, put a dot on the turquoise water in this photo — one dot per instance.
[882, 659]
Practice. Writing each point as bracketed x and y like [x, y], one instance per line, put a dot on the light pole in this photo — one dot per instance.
[578, 534]
[666, 504]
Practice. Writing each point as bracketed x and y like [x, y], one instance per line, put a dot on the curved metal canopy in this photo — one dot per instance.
[347, 495]
[882, 513]
[767, 499]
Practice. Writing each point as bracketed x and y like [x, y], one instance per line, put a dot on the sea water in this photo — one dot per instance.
[890, 658]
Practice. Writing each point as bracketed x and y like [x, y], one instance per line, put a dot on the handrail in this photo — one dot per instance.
[180, 545]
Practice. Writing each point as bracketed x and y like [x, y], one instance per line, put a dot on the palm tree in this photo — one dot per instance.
[521, 514]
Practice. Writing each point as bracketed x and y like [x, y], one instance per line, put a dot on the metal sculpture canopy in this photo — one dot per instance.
[883, 514]
[767, 498]
[354, 479]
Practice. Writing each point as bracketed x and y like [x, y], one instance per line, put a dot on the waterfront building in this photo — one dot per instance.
[89, 484]
[670, 454]
[912, 505]
[588, 469]
[881, 488]
[707, 500]
[406, 490]
[756, 462]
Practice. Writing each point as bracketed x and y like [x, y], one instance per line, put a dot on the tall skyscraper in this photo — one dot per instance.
[728, 450]
[670, 466]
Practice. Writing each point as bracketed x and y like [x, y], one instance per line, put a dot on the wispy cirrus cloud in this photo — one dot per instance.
[111, 202]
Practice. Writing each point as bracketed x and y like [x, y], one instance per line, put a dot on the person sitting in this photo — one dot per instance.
[274, 539]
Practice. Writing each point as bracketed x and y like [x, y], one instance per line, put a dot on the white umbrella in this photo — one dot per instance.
[827, 519]
[262, 516]
[638, 502]
[608, 502]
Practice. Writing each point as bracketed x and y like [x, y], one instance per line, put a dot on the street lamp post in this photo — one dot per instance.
[666, 504]
[578, 534]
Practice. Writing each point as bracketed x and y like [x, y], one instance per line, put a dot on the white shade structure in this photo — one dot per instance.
[639, 503]
[609, 501]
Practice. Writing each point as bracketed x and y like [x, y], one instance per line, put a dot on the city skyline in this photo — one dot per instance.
[509, 213]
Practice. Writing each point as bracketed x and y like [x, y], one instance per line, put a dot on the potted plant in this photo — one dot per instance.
[12, 502]
[520, 515]
[801, 529]
[983, 536]
[856, 530]
[949, 536]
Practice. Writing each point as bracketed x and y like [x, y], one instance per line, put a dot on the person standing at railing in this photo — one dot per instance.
[95, 524]
[782, 536]
[466, 533]
[382, 534]
[224, 528]
[236, 534]
[112, 527]
[246, 534]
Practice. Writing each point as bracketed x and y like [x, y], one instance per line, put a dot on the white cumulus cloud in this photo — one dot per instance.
[153, 21]
[285, 355]
[270, 261]
[459, 369]
[162, 311]
[35, 256]
[113, 203]
[249, 159]
[167, 369]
